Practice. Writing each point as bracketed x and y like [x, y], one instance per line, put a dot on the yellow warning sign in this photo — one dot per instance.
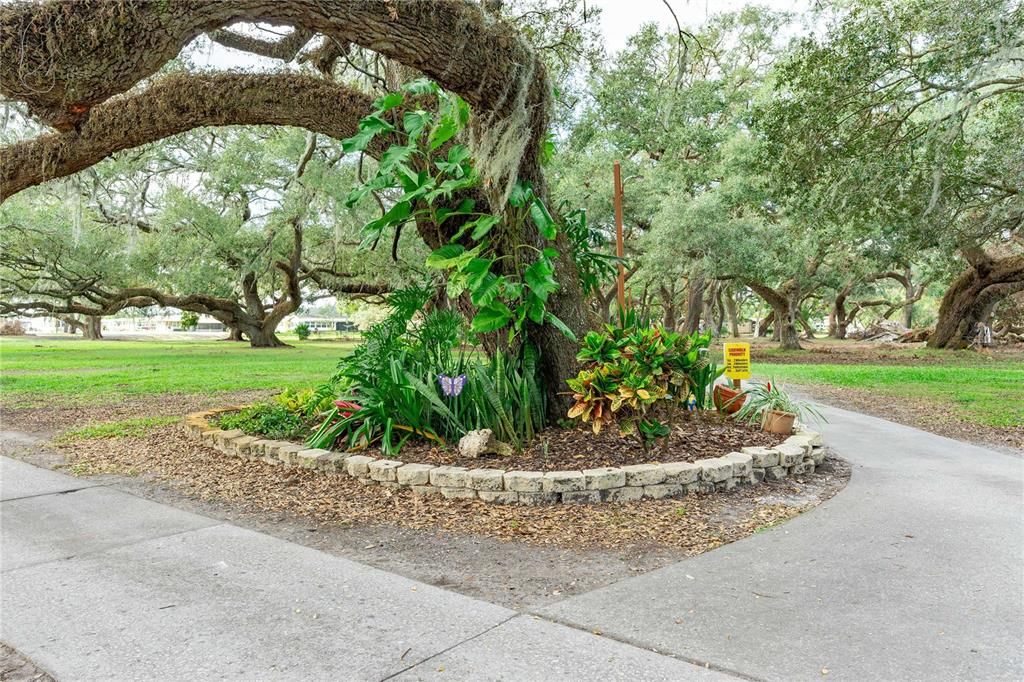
[737, 360]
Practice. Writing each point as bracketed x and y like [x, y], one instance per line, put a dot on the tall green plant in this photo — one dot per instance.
[425, 169]
[390, 386]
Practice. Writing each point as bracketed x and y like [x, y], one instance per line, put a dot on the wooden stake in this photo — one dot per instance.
[619, 247]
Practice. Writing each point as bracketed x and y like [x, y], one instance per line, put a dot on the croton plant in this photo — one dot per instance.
[638, 377]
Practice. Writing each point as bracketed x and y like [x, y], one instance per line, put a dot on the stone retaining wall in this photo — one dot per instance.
[799, 454]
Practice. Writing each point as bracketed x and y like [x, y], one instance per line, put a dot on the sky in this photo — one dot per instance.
[622, 18]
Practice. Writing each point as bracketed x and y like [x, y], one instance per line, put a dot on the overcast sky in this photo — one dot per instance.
[622, 18]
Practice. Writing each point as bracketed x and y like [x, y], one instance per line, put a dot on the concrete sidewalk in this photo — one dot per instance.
[914, 572]
[100, 584]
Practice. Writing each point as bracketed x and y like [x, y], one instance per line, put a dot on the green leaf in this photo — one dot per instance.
[446, 256]
[415, 121]
[421, 86]
[486, 289]
[521, 193]
[534, 308]
[458, 153]
[491, 317]
[389, 101]
[559, 325]
[445, 130]
[358, 142]
[538, 278]
[395, 154]
[376, 124]
[551, 253]
[395, 216]
[543, 220]
[478, 265]
[482, 226]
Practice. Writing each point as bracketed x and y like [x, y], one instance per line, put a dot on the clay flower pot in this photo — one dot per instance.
[722, 394]
[775, 421]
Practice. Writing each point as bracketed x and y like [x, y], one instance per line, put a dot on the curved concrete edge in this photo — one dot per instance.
[797, 455]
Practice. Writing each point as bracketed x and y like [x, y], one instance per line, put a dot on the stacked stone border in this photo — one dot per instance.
[798, 454]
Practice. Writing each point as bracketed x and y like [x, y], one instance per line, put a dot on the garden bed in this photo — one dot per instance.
[703, 436]
[798, 454]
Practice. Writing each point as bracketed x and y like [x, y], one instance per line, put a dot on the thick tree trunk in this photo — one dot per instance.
[788, 337]
[972, 296]
[263, 337]
[808, 329]
[93, 328]
[730, 308]
[107, 48]
[785, 302]
[668, 306]
[234, 334]
[694, 304]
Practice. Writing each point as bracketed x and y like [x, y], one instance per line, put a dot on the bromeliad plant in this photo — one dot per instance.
[639, 378]
[762, 399]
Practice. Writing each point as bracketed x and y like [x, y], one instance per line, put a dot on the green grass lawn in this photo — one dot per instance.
[33, 371]
[980, 392]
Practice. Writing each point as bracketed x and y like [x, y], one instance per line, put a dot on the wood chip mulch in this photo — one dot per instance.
[694, 524]
[699, 436]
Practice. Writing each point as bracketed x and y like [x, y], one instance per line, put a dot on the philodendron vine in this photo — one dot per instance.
[419, 174]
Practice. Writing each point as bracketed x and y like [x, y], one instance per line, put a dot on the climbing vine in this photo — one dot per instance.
[423, 171]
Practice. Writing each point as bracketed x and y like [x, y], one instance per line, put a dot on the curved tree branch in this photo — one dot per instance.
[285, 49]
[177, 104]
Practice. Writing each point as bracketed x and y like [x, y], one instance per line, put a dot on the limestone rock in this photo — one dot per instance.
[524, 481]
[682, 473]
[486, 479]
[604, 478]
[644, 474]
[564, 481]
[414, 474]
[482, 442]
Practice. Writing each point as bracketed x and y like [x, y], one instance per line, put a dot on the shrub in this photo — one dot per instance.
[11, 328]
[302, 331]
[637, 377]
[266, 419]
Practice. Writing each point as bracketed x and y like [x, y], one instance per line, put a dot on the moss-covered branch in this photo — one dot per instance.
[177, 104]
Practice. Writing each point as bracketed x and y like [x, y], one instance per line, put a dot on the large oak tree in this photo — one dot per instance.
[92, 71]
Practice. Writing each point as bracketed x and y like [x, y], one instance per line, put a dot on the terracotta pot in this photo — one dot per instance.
[722, 394]
[775, 421]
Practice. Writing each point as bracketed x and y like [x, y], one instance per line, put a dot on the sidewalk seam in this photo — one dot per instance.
[56, 492]
[447, 649]
[113, 547]
[707, 665]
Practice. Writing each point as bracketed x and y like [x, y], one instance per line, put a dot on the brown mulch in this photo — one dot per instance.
[46, 419]
[700, 436]
[694, 524]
